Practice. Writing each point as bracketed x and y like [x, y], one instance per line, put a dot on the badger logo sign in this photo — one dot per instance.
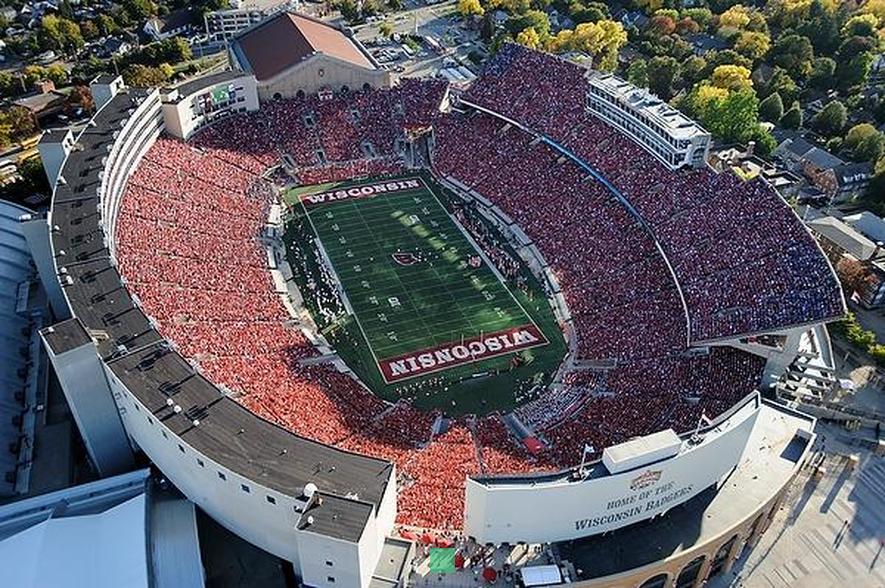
[649, 478]
[426, 361]
[405, 258]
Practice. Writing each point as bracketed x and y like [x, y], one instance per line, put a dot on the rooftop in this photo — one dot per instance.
[286, 39]
[845, 236]
[650, 105]
[150, 368]
[198, 83]
[770, 459]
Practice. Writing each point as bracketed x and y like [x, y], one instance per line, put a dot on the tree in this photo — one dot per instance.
[602, 40]
[139, 10]
[856, 46]
[90, 30]
[702, 16]
[81, 97]
[106, 25]
[32, 74]
[792, 118]
[862, 25]
[58, 74]
[386, 29]
[823, 72]
[637, 73]
[731, 77]
[765, 141]
[687, 26]
[726, 57]
[831, 119]
[821, 26]
[851, 273]
[793, 53]
[470, 8]
[649, 6]
[59, 34]
[783, 84]
[735, 18]
[693, 70]
[732, 118]
[661, 25]
[534, 19]
[144, 76]
[16, 123]
[864, 142]
[662, 71]
[752, 45]
[854, 72]
[772, 108]
[349, 9]
[529, 38]
[592, 12]
[877, 187]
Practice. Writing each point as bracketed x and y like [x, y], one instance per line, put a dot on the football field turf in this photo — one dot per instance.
[423, 296]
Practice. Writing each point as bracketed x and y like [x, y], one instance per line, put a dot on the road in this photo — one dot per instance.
[439, 20]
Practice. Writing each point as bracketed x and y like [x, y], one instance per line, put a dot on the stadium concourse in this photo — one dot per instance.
[735, 262]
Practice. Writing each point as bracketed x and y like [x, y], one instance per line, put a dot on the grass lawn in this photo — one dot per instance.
[419, 292]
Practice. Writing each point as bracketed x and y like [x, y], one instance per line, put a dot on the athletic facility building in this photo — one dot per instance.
[344, 316]
[291, 53]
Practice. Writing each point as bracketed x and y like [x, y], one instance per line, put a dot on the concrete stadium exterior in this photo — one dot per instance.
[329, 512]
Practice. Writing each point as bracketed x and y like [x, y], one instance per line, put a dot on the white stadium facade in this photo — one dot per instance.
[667, 509]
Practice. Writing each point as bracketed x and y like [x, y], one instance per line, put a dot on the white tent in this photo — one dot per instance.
[89, 551]
[541, 576]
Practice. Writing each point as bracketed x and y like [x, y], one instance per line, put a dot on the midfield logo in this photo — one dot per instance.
[405, 258]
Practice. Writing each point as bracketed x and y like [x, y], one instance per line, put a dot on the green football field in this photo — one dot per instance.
[423, 296]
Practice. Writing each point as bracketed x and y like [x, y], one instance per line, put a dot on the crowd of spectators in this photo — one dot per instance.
[726, 238]
[616, 285]
[188, 244]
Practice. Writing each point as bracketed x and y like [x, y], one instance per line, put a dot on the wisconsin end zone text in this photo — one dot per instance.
[362, 191]
[426, 361]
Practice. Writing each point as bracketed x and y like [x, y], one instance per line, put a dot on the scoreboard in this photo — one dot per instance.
[217, 98]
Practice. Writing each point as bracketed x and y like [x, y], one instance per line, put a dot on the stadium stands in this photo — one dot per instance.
[725, 237]
[188, 244]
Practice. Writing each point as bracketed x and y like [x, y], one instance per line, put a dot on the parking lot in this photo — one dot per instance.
[436, 24]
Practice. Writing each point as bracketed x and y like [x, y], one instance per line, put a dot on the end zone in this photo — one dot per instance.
[449, 355]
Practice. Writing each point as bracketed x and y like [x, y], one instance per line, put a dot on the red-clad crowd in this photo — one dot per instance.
[188, 244]
[615, 283]
[726, 238]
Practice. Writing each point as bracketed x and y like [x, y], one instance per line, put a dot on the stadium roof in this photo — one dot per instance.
[779, 440]
[845, 236]
[200, 82]
[16, 329]
[136, 353]
[91, 536]
[286, 39]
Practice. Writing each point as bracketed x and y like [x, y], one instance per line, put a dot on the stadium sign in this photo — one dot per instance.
[425, 361]
[562, 508]
[365, 191]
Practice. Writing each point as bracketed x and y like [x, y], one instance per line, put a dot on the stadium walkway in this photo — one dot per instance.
[829, 532]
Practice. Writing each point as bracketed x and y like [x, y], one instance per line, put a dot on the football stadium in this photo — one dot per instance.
[352, 319]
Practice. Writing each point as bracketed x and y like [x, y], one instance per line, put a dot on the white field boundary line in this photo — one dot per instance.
[485, 258]
[346, 301]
